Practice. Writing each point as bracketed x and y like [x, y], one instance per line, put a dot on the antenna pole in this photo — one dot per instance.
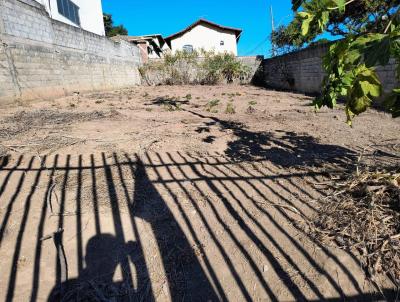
[273, 30]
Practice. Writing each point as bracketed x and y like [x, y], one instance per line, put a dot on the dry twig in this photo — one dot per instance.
[364, 216]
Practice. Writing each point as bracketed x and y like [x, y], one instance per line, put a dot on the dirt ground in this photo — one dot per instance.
[191, 193]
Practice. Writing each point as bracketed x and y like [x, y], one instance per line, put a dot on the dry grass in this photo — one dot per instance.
[24, 121]
[363, 216]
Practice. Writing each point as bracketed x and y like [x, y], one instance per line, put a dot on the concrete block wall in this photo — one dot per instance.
[253, 63]
[302, 71]
[44, 58]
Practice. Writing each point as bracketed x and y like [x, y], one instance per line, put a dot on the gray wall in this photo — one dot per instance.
[254, 63]
[302, 71]
[44, 58]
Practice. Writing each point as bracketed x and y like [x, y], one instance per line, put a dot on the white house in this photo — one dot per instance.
[86, 14]
[206, 35]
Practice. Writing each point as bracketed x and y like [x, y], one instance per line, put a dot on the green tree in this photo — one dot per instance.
[371, 37]
[287, 39]
[112, 30]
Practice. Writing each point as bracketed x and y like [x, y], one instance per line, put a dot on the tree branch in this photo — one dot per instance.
[337, 7]
[391, 21]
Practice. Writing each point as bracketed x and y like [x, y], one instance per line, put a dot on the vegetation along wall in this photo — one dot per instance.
[44, 58]
[302, 71]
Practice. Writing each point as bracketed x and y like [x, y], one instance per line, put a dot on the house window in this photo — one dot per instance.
[69, 10]
[222, 43]
[188, 48]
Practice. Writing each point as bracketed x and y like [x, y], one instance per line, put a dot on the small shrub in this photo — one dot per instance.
[197, 67]
[252, 103]
[210, 107]
[149, 109]
[218, 67]
[169, 107]
[178, 106]
[188, 97]
[230, 109]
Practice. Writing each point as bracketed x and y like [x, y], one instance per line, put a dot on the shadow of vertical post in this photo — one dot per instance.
[79, 244]
[9, 174]
[39, 233]
[119, 232]
[142, 270]
[59, 272]
[94, 195]
[13, 199]
[186, 277]
[21, 231]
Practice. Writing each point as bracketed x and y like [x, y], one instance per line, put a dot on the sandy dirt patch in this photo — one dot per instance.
[192, 193]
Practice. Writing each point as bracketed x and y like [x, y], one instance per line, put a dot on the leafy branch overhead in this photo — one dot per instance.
[370, 35]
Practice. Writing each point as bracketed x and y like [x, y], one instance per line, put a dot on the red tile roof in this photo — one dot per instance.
[237, 31]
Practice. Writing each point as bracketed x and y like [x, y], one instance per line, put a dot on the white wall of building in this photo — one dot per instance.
[90, 13]
[208, 38]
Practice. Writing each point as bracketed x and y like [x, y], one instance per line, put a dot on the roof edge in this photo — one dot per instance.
[237, 31]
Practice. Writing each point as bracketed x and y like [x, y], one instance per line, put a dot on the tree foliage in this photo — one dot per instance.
[287, 39]
[112, 30]
[371, 37]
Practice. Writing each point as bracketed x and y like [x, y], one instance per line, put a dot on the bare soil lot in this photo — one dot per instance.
[191, 193]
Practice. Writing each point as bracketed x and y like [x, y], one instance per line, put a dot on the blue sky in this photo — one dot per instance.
[168, 17]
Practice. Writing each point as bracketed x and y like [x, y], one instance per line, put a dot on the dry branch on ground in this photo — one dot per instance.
[364, 216]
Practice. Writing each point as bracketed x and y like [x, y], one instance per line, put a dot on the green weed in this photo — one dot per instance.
[230, 109]
[210, 107]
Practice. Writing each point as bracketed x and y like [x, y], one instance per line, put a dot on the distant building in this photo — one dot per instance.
[206, 35]
[151, 46]
[86, 14]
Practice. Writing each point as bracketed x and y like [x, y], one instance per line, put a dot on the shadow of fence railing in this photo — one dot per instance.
[181, 225]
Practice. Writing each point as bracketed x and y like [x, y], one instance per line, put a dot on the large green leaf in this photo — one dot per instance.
[360, 104]
[323, 20]
[307, 18]
[377, 50]
[353, 56]
[371, 89]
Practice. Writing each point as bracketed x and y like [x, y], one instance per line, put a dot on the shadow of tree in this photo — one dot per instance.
[282, 148]
[160, 101]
